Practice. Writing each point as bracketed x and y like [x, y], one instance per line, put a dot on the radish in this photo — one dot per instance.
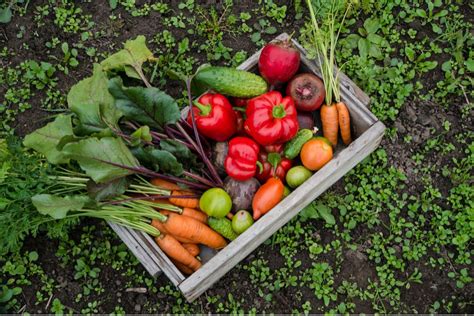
[278, 62]
[307, 91]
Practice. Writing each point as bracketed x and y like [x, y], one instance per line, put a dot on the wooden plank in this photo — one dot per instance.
[137, 249]
[241, 247]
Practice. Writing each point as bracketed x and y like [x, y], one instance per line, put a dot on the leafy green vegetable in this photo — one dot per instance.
[26, 175]
[91, 101]
[56, 206]
[108, 190]
[149, 106]
[180, 151]
[159, 160]
[141, 134]
[130, 59]
[46, 139]
[95, 155]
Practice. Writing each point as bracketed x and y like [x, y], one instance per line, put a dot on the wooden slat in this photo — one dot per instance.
[138, 250]
[241, 247]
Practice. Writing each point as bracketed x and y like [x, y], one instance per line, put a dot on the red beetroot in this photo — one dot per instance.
[278, 62]
[307, 91]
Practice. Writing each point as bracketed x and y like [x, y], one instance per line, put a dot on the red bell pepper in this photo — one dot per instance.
[273, 165]
[271, 119]
[215, 118]
[241, 160]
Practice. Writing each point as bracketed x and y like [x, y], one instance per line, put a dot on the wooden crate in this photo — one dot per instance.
[367, 132]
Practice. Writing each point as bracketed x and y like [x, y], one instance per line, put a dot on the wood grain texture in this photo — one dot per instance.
[241, 247]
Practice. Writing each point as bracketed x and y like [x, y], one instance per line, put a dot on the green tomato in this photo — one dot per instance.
[241, 221]
[297, 175]
[215, 202]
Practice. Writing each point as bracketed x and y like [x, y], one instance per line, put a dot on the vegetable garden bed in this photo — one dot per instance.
[367, 131]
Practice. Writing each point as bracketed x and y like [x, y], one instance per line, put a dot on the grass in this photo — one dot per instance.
[399, 224]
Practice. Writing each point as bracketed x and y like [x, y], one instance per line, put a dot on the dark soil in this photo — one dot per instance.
[417, 118]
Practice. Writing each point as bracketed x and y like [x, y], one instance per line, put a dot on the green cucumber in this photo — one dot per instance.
[293, 147]
[223, 226]
[230, 81]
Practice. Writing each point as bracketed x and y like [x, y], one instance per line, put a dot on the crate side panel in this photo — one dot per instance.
[227, 258]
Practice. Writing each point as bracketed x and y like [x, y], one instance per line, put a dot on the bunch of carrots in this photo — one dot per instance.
[182, 231]
[334, 113]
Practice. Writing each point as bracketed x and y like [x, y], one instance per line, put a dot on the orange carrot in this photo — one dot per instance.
[183, 268]
[190, 212]
[191, 203]
[189, 228]
[193, 249]
[344, 122]
[163, 184]
[176, 251]
[330, 121]
[196, 214]
[159, 225]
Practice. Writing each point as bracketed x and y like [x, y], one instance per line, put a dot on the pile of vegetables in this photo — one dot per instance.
[128, 155]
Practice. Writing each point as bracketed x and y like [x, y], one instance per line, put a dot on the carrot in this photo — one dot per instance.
[193, 249]
[163, 184]
[176, 251]
[329, 119]
[159, 225]
[189, 228]
[344, 122]
[182, 267]
[196, 214]
[189, 212]
[191, 203]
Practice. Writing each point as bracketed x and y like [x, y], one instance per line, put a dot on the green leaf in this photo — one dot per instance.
[159, 160]
[143, 133]
[91, 101]
[325, 213]
[363, 46]
[5, 15]
[4, 152]
[309, 212]
[351, 40]
[130, 59]
[180, 151]
[108, 190]
[45, 139]
[410, 52]
[376, 39]
[374, 51]
[56, 206]
[371, 25]
[95, 155]
[113, 4]
[149, 106]
[470, 64]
